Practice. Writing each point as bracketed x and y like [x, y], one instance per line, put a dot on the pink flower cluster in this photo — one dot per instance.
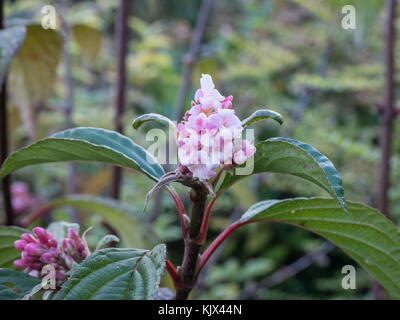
[44, 249]
[211, 134]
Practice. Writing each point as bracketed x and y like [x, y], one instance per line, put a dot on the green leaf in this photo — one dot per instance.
[121, 217]
[8, 253]
[282, 155]
[10, 41]
[107, 239]
[261, 115]
[59, 229]
[156, 118]
[116, 274]
[15, 284]
[85, 144]
[365, 234]
[88, 39]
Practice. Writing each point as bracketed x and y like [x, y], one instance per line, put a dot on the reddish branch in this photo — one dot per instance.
[172, 272]
[217, 242]
[181, 210]
[122, 45]
[5, 182]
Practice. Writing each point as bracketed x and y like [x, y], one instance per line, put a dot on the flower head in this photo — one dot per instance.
[207, 136]
[42, 249]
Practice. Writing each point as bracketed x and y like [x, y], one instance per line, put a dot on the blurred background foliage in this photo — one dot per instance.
[291, 56]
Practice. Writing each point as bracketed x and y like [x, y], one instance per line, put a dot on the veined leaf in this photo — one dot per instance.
[156, 118]
[365, 234]
[8, 253]
[85, 144]
[261, 115]
[15, 284]
[282, 155]
[116, 274]
[10, 41]
[119, 216]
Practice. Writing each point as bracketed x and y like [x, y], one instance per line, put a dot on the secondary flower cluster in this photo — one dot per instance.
[44, 249]
[211, 134]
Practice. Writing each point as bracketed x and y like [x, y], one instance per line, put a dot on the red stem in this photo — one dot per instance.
[181, 209]
[172, 272]
[218, 241]
[201, 239]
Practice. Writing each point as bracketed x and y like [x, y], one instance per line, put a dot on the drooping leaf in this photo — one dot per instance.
[15, 284]
[120, 217]
[10, 41]
[85, 144]
[282, 155]
[156, 118]
[8, 253]
[117, 274]
[33, 71]
[261, 115]
[89, 40]
[364, 234]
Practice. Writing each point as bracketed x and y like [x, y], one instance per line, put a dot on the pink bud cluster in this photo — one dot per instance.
[210, 135]
[44, 250]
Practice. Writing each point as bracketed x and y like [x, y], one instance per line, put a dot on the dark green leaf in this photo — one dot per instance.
[293, 157]
[16, 284]
[116, 274]
[364, 234]
[85, 144]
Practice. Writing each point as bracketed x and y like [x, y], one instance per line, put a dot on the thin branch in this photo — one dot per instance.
[217, 242]
[172, 272]
[5, 182]
[122, 45]
[191, 56]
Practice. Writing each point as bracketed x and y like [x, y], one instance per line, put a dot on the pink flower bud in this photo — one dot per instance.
[28, 237]
[41, 234]
[54, 252]
[46, 257]
[20, 263]
[20, 245]
[71, 233]
[34, 249]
